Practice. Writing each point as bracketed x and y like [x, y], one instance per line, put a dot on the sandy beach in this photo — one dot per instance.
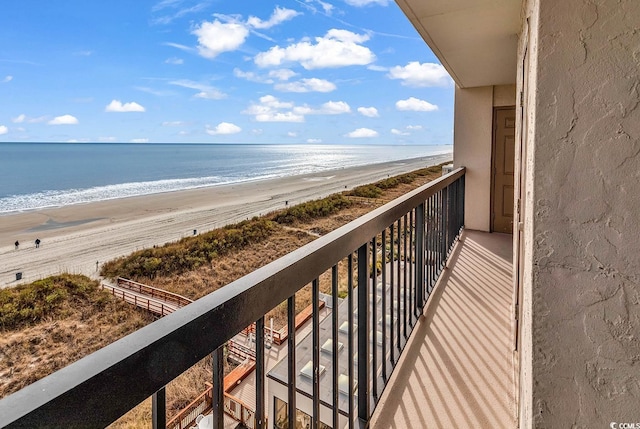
[74, 238]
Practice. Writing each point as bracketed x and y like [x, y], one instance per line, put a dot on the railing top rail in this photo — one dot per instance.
[159, 352]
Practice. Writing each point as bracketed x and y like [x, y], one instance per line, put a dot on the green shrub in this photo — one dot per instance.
[310, 210]
[27, 304]
[190, 252]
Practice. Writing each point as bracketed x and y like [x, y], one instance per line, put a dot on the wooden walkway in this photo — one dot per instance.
[154, 300]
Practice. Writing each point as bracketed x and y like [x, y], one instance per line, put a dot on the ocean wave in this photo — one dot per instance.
[59, 198]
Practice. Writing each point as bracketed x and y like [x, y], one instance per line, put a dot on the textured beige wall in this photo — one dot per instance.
[504, 95]
[472, 148]
[585, 265]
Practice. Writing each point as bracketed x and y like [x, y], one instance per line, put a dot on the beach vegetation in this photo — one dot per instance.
[311, 210]
[28, 304]
[189, 253]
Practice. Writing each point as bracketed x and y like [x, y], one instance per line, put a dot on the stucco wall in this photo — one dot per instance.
[585, 265]
[472, 148]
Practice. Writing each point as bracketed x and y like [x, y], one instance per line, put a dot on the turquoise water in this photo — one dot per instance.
[38, 175]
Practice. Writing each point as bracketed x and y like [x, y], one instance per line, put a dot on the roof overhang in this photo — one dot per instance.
[475, 40]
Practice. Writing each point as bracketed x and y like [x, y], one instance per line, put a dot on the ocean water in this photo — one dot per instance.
[39, 175]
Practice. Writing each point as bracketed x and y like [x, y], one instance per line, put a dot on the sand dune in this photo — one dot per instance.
[75, 237]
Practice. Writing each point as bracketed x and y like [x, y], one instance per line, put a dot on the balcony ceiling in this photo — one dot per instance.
[475, 40]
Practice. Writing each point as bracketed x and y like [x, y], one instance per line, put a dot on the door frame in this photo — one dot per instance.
[494, 126]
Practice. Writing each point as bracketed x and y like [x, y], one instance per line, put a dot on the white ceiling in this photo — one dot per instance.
[476, 40]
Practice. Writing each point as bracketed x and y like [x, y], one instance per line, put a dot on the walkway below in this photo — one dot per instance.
[457, 370]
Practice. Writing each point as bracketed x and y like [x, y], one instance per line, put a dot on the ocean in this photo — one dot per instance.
[40, 175]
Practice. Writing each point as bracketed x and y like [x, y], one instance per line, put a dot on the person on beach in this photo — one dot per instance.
[17, 244]
[37, 243]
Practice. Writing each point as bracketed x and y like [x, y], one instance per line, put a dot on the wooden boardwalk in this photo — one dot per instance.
[154, 300]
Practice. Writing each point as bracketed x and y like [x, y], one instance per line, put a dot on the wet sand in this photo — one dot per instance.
[75, 237]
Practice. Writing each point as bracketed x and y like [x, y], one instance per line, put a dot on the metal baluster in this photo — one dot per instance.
[384, 305]
[399, 317]
[350, 347]
[159, 409]
[374, 318]
[420, 279]
[363, 334]
[404, 278]
[334, 338]
[291, 359]
[217, 400]
[315, 297]
[260, 414]
[391, 286]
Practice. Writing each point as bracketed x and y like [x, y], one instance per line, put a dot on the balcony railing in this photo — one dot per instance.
[384, 266]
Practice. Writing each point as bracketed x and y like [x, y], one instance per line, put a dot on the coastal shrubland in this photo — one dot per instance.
[310, 210]
[52, 322]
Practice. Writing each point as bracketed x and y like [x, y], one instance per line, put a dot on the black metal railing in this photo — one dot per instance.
[379, 270]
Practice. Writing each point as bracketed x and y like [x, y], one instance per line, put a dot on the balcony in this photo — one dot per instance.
[458, 368]
[402, 268]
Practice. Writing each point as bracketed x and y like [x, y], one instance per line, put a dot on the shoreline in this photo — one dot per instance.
[77, 236]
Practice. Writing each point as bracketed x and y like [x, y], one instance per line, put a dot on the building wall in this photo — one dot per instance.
[473, 132]
[584, 263]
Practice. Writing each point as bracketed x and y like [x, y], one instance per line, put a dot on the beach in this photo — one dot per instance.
[78, 238]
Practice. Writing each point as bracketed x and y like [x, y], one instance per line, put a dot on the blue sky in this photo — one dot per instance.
[243, 71]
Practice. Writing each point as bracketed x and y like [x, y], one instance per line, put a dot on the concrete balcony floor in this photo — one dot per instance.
[458, 368]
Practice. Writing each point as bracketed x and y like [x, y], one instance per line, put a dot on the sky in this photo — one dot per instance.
[219, 71]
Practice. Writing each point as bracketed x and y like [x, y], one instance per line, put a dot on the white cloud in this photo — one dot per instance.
[374, 67]
[421, 75]
[63, 120]
[414, 127]
[118, 106]
[398, 132]
[8, 78]
[3, 129]
[19, 119]
[282, 74]
[335, 108]
[173, 123]
[292, 134]
[107, 139]
[206, 91]
[360, 3]
[251, 76]
[24, 118]
[278, 74]
[362, 133]
[307, 85]
[271, 109]
[216, 37]
[338, 48]
[416, 105]
[370, 112]
[83, 53]
[139, 141]
[174, 60]
[224, 128]
[328, 108]
[314, 141]
[278, 16]
[279, 117]
[257, 131]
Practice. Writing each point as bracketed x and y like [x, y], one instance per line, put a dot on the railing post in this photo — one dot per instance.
[363, 334]
[217, 391]
[420, 252]
[159, 409]
[260, 374]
